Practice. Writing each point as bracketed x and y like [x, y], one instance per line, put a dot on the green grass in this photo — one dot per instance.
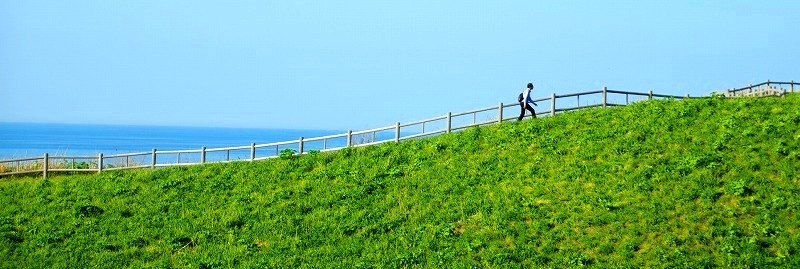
[695, 183]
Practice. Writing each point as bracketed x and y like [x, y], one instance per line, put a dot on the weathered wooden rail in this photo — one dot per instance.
[450, 122]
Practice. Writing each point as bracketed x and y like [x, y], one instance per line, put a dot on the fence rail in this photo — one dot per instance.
[451, 122]
[769, 88]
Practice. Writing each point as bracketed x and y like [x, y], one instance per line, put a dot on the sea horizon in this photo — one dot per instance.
[34, 139]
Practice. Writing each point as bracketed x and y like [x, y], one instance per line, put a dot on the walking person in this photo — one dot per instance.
[524, 100]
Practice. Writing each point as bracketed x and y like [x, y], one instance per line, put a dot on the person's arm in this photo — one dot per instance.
[531, 99]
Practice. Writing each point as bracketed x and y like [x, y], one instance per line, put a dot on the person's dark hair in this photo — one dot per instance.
[530, 85]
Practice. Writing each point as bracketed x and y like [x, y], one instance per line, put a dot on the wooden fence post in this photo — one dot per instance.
[300, 146]
[153, 165]
[604, 96]
[500, 113]
[650, 95]
[349, 138]
[99, 163]
[252, 151]
[203, 155]
[45, 165]
[397, 133]
[449, 121]
[553, 104]
[792, 85]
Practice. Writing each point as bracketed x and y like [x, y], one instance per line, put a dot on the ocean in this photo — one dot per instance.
[21, 140]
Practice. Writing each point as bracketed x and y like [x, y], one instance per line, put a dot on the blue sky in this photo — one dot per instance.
[363, 64]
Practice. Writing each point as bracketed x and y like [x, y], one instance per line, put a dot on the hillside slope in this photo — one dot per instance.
[693, 183]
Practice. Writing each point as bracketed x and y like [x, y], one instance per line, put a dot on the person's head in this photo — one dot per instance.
[530, 85]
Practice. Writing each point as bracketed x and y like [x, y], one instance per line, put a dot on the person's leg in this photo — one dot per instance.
[533, 112]
[521, 112]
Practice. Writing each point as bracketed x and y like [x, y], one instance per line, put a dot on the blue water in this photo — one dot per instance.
[19, 140]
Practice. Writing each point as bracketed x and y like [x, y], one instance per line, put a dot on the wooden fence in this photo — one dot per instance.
[768, 88]
[451, 122]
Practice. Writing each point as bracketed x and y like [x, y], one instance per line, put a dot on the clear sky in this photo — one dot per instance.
[364, 64]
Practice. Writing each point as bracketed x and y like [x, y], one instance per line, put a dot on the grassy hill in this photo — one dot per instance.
[696, 183]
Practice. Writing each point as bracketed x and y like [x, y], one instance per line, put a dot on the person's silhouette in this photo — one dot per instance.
[524, 100]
